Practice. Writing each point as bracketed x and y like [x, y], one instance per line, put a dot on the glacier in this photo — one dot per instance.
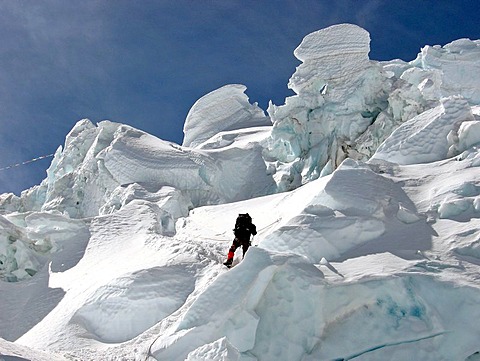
[364, 189]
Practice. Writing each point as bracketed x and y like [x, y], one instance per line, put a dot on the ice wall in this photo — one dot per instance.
[340, 92]
[347, 105]
[29, 241]
[453, 69]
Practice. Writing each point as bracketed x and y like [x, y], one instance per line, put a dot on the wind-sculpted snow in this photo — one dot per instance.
[364, 192]
[430, 136]
[136, 157]
[347, 105]
[354, 200]
[12, 352]
[445, 189]
[208, 176]
[223, 109]
[129, 305]
[276, 306]
[100, 166]
[332, 58]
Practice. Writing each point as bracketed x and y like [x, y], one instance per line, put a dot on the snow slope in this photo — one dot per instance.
[364, 189]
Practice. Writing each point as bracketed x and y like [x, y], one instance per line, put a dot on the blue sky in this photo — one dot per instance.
[144, 63]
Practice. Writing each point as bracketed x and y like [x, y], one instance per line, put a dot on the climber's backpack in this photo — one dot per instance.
[242, 225]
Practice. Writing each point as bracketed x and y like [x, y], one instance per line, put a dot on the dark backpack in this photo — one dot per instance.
[244, 226]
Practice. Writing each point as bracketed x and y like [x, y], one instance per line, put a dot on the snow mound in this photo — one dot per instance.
[468, 134]
[172, 204]
[223, 109]
[130, 305]
[352, 212]
[446, 189]
[220, 350]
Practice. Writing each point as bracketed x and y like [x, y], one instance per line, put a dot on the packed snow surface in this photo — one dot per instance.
[364, 187]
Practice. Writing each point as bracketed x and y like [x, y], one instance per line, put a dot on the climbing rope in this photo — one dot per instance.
[271, 224]
[27, 161]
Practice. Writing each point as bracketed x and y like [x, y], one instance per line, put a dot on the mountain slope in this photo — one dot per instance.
[364, 190]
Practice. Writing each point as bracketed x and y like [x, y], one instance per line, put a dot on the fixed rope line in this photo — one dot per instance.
[27, 161]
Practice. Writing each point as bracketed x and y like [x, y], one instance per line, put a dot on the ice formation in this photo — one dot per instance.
[340, 92]
[223, 109]
[433, 135]
[363, 187]
[347, 105]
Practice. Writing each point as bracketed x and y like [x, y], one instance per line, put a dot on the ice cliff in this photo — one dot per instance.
[346, 105]
[364, 189]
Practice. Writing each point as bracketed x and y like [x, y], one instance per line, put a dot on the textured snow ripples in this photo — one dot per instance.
[427, 137]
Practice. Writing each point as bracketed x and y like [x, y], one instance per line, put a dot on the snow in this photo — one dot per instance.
[468, 134]
[223, 109]
[457, 65]
[437, 129]
[339, 92]
[129, 305]
[364, 191]
[353, 200]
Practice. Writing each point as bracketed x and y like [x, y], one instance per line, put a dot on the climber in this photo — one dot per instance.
[243, 229]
